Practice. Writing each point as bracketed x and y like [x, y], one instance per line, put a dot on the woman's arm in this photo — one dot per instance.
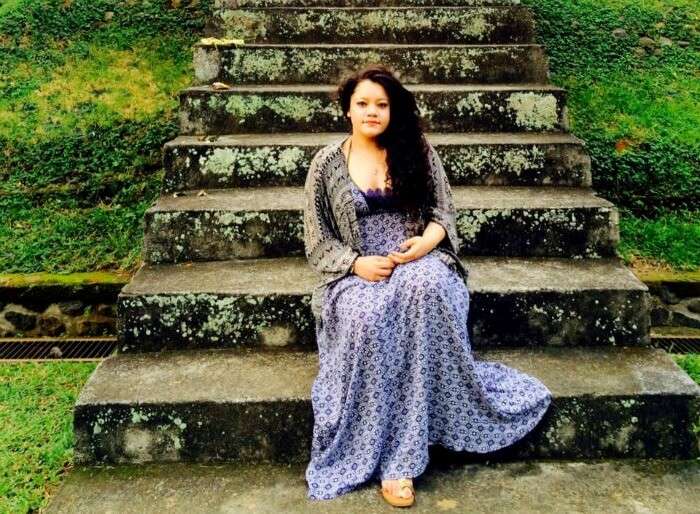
[433, 234]
[324, 251]
[440, 229]
[441, 209]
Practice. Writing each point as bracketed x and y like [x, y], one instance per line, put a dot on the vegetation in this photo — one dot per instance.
[88, 96]
[36, 440]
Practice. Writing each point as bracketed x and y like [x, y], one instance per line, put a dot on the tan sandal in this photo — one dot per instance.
[398, 501]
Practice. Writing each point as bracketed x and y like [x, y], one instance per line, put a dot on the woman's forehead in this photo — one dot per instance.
[370, 90]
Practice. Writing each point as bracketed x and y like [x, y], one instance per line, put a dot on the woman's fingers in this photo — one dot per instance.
[385, 262]
[405, 256]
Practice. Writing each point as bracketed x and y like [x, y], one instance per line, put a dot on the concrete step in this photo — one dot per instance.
[249, 160]
[330, 63]
[312, 108]
[251, 406]
[265, 303]
[475, 24]
[268, 221]
[585, 487]
[236, 4]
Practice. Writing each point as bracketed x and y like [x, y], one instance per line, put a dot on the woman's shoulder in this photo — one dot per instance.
[327, 156]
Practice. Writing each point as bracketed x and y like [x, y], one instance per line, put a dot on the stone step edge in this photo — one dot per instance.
[610, 486]
[504, 275]
[252, 375]
[605, 304]
[322, 138]
[290, 198]
[226, 5]
[341, 8]
[407, 46]
[330, 88]
[629, 402]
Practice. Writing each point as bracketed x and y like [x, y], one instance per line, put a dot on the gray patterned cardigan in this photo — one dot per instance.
[331, 232]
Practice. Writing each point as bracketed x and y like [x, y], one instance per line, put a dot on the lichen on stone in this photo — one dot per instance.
[534, 110]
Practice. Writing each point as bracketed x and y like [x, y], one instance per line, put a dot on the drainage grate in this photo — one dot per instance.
[677, 344]
[98, 348]
[56, 348]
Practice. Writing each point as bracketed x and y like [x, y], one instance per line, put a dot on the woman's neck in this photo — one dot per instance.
[360, 142]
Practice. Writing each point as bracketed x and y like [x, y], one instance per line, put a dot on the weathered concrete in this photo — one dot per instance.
[312, 108]
[268, 221]
[234, 4]
[253, 406]
[245, 160]
[493, 24]
[265, 303]
[614, 487]
[329, 63]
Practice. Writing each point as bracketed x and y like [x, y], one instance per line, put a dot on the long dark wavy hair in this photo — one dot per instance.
[403, 139]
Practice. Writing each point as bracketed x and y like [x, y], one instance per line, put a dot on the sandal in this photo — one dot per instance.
[398, 501]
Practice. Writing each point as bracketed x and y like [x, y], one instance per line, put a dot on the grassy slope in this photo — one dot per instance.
[36, 439]
[85, 106]
[640, 116]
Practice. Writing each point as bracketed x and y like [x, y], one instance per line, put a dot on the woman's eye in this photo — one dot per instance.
[360, 103]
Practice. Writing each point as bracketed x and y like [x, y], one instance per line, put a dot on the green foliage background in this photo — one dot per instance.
[640, 116]
[87, 101]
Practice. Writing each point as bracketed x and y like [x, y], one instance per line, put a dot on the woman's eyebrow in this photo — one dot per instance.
[363, 98]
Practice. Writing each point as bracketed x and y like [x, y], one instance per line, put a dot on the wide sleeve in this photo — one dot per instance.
[440, 208]
[326, 253]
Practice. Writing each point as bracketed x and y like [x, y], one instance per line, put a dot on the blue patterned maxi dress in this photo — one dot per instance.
[396, 372]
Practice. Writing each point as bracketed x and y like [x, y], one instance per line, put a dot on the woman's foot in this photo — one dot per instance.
[400, 491]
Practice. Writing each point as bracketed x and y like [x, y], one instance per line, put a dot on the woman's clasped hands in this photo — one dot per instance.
[379, 267]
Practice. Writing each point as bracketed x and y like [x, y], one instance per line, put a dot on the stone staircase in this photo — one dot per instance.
[217, 350]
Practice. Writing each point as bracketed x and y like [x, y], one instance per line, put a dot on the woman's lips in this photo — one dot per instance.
[372, 122]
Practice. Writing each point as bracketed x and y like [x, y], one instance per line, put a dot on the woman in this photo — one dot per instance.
[396, 371]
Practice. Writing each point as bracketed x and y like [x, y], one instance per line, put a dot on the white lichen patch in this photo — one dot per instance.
[219, 162]
[296, 108]
[138, 416]
[562, 433]
[620, 439]
[243, 107]
[252, 163]
[471, 104]
[233, 319]
[494, 163]
[477, 27]
[254, 65]
[247, 25]
[534, 110]
[207, 64]
[467, 24]
[470, 223]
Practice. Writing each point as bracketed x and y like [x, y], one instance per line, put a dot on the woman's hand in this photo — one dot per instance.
[411, 249]
[373, 267]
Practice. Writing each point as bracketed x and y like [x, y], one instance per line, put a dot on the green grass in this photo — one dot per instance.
[691, 364]
[672, 238]
[36, 440]
[93, 83]
[53, 239]
[639, 115]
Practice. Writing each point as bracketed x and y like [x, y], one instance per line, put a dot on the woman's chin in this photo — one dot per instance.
[372, 130]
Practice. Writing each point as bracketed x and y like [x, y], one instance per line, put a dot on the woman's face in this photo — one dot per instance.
[369, 109]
